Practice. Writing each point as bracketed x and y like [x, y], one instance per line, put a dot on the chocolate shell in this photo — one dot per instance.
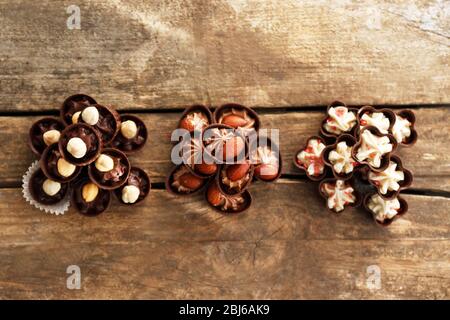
[74, 104]
[90, 137]
[350, 141]
[37, 130]
[385, 158]
[334, 104]
[37, 192]
[108, 124]
[403, 209]
[388, 113]
[139, 179]
[319, 160]
[49, 165]
[404, 184]
[181, 181]
[114, 178]
[237, 116]
[92, 208]
[265, 156]
[351, 183]
[234, 179]
[198, 124]
[227, 204]
[134, 144]
[412, 139]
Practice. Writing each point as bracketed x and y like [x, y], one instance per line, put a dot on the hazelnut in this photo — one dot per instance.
[267, 172]
[237, 171]
[130, 194]
[213, 195]
[65, 168]
[51, 136]
[76, 147]
[90, 115]
[128, 129]
[206, 169]
[89, 192]
[104, 163]
[234, 121]
[51, 187]
[190, 181]
[75, 117]
[233, 147]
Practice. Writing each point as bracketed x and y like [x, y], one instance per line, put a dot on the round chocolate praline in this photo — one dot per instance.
[181, 181]
[49, 164]
[139, 179]
[37, 130]
[37, 192]
[227, 204]
[92, 208]
[134, 144]
[90, 137]
[74, 104]
[237, 116]
[108, 123]
[115, 177]
[234, 178]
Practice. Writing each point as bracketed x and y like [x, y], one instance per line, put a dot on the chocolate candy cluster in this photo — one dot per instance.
[222, 154]
[84, 153]
[354, 155]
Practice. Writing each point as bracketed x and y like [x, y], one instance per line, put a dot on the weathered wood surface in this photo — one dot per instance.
[164, 54]
[179, 248]
[429, 159]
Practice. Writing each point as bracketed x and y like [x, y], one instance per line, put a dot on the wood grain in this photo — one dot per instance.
[166, 54]
[429, 159]
[173, 247]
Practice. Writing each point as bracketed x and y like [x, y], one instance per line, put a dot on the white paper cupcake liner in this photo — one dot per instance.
[57, 208]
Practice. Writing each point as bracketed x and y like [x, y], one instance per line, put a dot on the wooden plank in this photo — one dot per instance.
[141, 54]
[429, 158]
[173, 247]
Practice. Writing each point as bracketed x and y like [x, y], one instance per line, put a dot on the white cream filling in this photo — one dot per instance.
[373, 148]
[383, 209]
[340, 119]
[401, 129]
[388, 180]
[341, 158]
[376, 119]
[311, 158]
[339, 195]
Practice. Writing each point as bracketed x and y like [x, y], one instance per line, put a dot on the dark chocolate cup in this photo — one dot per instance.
[170, 180]
[274, 147]
[242, 155]
[35, 187]
[229, 106]
[109, 132]
[386, 157]
[91, 155]
[52, 172]
[412, 139]
[35, 135]
[299, 166]
[403, 209]
[144, 185]
[197, 108]
[327, 134]
[228, 191]
[405, 184]
[351, 141]
[129, 146]
[350, 182]
[100, 204]
[94, 174]
[246, 195]
[388, 113]
[74, 104]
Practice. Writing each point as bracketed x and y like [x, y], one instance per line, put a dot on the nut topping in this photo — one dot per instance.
[130, 194]
[51, 187]
[76, 116]
[90, 115]
[89, 192]
[128, 129]
[77, 147]
[51, 136]
[104, 163]
[65, 168]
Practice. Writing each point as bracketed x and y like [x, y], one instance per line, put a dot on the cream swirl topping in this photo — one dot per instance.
[376, 119]
[383, 209]
[401, 129]
[339, 120]
[341, 158]
[387, 180]
[373, 148]
[339, 195]
[311, 157]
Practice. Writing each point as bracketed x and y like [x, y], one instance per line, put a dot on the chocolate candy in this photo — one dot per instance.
[132, 135]
[56, 167]
[88, 198]
[80, 144]
[74, 104]
[45, 190]
[110, 170]
[135, 189]
[44, 132]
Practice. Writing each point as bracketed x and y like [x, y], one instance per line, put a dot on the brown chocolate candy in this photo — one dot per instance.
[90, 138]
[37, 189]
[114, 177]
[131, 143]
[36, 139]
[74, 104]
[139, 179]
